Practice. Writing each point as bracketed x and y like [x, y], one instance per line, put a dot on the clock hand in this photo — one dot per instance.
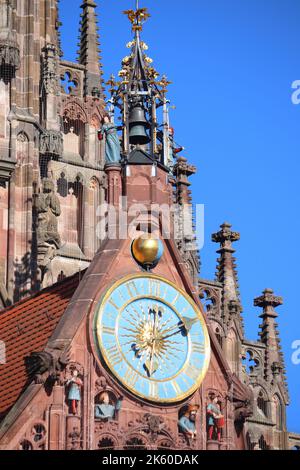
[185, 324]
[173, 334]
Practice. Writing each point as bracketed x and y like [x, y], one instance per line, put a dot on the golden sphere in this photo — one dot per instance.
[147, 251]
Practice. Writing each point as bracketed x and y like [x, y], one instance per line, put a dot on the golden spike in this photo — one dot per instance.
[112, 81]
[164, 83]
[137, 18]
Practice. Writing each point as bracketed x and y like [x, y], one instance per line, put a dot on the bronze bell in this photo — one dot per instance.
[137, 126]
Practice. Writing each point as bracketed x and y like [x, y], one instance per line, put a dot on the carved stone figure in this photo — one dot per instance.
[51, 142]
[48, 209]
[47, 206]
[107, 410]
[42, 366]
[154, 425]
[9, 53]
[187, 422]
[50, 69]
[74, 385]
[112, 145]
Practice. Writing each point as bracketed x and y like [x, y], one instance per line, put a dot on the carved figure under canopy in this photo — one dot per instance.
[74, 385]
[215, 418]
[48, 209]
[112, 144]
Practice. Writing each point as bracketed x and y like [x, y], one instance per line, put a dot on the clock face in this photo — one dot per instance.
[153, 338]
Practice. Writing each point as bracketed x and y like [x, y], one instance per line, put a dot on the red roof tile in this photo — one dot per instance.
[25, 328]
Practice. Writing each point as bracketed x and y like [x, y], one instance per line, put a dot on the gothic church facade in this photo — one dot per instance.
[56, 270]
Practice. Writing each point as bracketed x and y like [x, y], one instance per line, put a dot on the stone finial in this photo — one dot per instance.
[227, 274]
[50, 74]
[269, 335]
[268, 301]
[225, 236]
[183, 169]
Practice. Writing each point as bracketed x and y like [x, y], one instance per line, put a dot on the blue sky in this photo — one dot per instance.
[232, 64]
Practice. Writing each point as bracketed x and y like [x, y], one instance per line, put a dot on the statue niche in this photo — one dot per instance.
[215, 418]
[73, 138]
[47, 208]
[74, 386]
[107, 406]
[187, 421]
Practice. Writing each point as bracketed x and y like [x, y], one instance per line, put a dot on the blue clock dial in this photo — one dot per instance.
[153, 338]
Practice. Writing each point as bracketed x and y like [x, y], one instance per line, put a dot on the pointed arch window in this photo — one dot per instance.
[278, 413]
[262, 403]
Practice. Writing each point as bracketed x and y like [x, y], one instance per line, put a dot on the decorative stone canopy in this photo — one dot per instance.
[9, 54]
[51, 143]
[268, 301]
[7, 167]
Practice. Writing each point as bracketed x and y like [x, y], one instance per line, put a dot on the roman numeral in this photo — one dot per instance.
[108, 331]
[153, 390]
[154, 287]
[192, 372]
[176, 387]
[132, 289]
[165, 292]
[198, 348]
[131, 377]
[176, 298]
[114, 355]
[111, 302]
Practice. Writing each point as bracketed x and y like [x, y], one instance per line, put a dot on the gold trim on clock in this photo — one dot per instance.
[100, 312]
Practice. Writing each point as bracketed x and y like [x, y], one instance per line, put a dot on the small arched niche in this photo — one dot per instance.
[107, 406]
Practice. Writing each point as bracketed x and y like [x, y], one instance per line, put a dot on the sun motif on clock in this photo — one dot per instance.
[152, 338]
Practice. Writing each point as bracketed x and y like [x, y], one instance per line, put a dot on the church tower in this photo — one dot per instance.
[128, 359]
[51, 168]
[109, 340]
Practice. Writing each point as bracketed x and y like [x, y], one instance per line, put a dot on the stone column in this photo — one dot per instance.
[213, 445]
[113, 172]
[56, 420]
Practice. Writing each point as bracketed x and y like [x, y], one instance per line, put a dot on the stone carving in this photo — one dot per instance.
[9, 53]
[242, 410]
[47, 207]
[70, 82]
[73, 110]
[51, 143]
[44, 366]
[154, 425]
[74, 439]
[50, 69]
[211, 299]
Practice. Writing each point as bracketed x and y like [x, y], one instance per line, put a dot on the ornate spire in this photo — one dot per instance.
[139, 94]
[58, 25]
[89, 52]
[269, 335]
[226, 273]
